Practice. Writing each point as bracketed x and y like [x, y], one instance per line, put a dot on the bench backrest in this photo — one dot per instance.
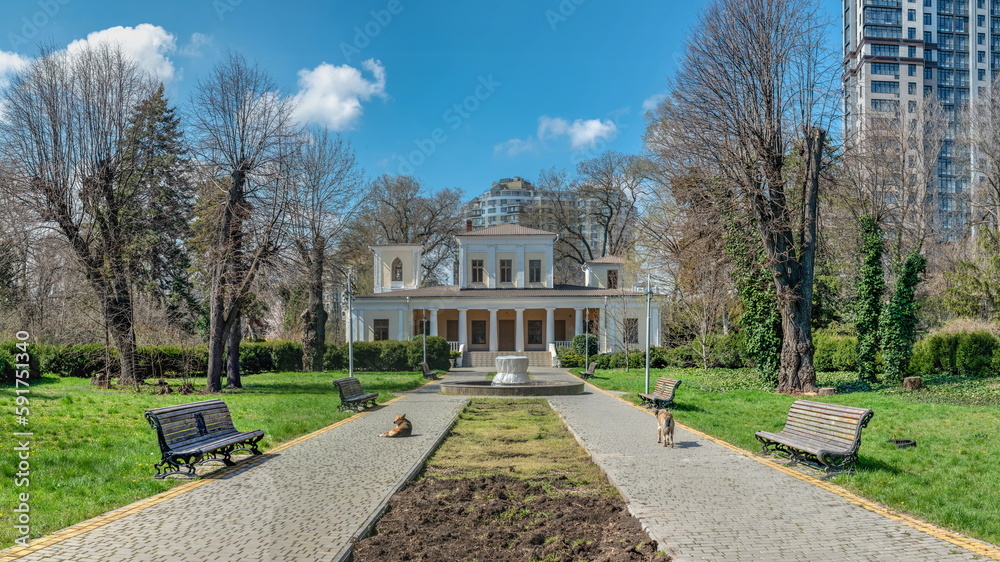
[591, 367]
[666, 385]
[183, 422]
[348, 387]
[842, 424]
[425, 368]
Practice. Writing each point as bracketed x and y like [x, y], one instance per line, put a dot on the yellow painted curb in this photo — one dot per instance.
[968, 543]
[15, 552]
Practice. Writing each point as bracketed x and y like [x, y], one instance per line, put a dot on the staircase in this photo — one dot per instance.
[488, 358]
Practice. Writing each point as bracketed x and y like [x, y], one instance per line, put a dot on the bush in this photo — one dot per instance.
[156, 361]
[255, 358]
[335, 358]
[438, 353]
[9, 362]
[585, 344]
[395, 356]
[974, 353]
[367, 355]
[834, 352]
[285, 355]
[82, 361]
[569, 358]
[680, 356]
[724, 350]
[936, 354]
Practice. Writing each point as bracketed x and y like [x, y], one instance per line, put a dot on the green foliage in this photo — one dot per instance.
[438, 352]
[680, 356]
[585, 344]
[834, 352]
[870, 287]
[390, 355]
[568, 358]
[725, 350]
[974, 354]
[760, 320]
[82, 361]
[335, 358]
[935, 354]
[255, 358]
[171, 361]
[974, 286]
[899, 319]
[8, 360]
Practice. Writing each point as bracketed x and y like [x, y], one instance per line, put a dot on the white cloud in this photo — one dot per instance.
[10, 62]
[195, 44]
[148, 44]
[582, 133]
[652, 101]
[331, 95]
[513, 147]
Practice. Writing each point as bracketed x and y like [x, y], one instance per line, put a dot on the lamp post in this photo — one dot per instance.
[649, 296]
[423, 330]
[586, 338]
[350, 324]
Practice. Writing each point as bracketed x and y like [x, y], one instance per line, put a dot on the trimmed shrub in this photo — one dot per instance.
[569, 358]
[725, 351]
[395, 356]
[581, 343]
[9, 362]
[438, 353]
[974, 353]
[834, 352]
[335, 358]
[255, 358]
[680, 356]
[367, 355]
[285, 355]
[82, 361]
[156, 361]
[936, 354]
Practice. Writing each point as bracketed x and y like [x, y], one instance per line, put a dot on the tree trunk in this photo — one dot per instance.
[216, 343]
[314, 317]
[233, 339]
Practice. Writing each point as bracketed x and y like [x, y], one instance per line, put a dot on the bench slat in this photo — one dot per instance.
[830, 433]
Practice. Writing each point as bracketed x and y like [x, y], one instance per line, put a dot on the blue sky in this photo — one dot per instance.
[458, 94]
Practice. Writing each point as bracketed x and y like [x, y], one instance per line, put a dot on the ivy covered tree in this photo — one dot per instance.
[870, 288]
[899, 319]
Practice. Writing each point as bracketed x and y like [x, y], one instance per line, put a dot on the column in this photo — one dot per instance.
[463, 327]
[550, 326]
[461, 268]
[519, 280]
[491, 268]
[378, 274]
[655, 321]
[578, 326]
[401, 332]
[519, 329]
[433, 317]
[494, 342]
[550, 267]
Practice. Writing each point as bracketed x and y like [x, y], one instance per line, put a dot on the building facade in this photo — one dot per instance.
[898, 53]
[505, 299]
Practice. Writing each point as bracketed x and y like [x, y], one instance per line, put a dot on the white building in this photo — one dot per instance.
[505, 299]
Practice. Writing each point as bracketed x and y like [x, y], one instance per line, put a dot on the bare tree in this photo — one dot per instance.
[245, 136]
[749, 98]
[981, 133]
[327, 190]
[97, 152]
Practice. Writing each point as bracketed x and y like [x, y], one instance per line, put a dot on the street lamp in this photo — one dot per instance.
[649, 296]
[350, 324]
[423, 330]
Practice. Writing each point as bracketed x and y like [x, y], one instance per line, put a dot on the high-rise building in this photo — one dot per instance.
[899, 53]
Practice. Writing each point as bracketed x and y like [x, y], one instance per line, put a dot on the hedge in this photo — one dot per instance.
[390, 355]
[8, 362]
[971, 354]
[834, 352]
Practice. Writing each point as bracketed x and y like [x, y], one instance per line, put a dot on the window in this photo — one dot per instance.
[397, 270]
[928, 90]
[911, 33]
[927, 2]
[880, 87]
[612, 278]
[381, 329]
[928, 37]
[927, 19]
[981, 21]
[535, 331]
[928, 74]
[534, 271]
[885, 68]
[911, 15]
[631, 330]
[982, 74]
[911, 70]
[980, 39]
[477, 271]
[479, 331]
[911, 51]
[887, 106]
[506, 271]
[885, 50]
[911, 88]
[981, 56]
[911, 106]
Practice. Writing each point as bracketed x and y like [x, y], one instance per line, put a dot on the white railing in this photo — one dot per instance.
[555, 356]
[454, 346]
[561, 344]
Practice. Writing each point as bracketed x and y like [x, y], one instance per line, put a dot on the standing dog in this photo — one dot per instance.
[665, 428]
[403, 428]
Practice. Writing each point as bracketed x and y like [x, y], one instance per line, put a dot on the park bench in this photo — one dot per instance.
[826, 434]
[589, 372]
[663, 393]
[428, 373]
[352, 397]
[191, 434]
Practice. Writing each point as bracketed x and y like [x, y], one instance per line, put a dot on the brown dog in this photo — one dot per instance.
[402, 429]
[665, 428]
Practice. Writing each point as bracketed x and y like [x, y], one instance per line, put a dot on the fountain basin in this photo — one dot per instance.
[511, 369]
[530, 388]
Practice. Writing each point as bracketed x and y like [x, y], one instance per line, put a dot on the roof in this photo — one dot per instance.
[454, 292]
[608, 259]
[508, 230]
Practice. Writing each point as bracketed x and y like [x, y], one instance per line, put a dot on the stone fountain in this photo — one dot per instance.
[512, 380]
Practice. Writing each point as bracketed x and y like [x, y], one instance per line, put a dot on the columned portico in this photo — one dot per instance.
[550, 325]
[519, 329]
[579, 322]
[433, 313]
[463, 327]
[402, 325]
[494, 341]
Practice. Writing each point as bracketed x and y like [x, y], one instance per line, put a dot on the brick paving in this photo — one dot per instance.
[700, 501]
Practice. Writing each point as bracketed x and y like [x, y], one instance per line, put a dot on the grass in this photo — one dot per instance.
[92, 451]
[951, 478]
[520, 438]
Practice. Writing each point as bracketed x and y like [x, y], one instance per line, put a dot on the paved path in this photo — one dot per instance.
[700, 501]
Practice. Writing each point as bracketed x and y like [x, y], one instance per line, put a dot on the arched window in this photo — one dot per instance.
[397, 270]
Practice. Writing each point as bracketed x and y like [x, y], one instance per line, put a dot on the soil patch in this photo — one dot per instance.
[509, 483]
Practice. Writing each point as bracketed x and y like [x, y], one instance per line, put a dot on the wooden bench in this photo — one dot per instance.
[589, 372]
[352, 397]
[428, 373]
[191, 434]
[826, 434]
[663, 393]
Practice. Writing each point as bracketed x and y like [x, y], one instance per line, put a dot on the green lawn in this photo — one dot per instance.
[951, 478]
[92, 451]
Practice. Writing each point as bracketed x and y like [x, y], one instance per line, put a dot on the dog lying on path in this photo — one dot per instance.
[403, 428]
[665, 428]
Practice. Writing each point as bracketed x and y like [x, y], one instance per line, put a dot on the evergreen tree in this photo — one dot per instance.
[871, 286]
[899, 319]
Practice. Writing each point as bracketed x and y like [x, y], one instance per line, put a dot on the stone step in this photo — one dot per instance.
[488, 358]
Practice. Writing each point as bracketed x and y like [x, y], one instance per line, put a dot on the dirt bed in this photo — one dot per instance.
[498, 517]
